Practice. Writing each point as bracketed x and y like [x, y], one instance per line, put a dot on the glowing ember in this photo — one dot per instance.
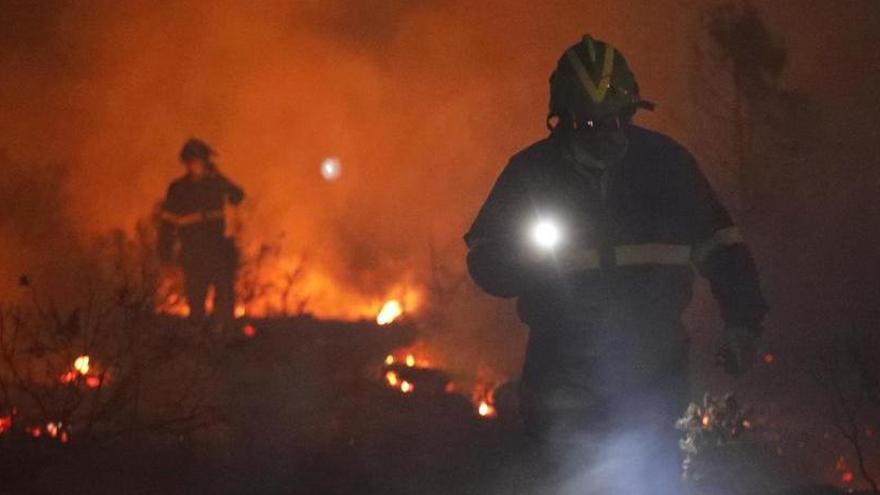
[747, 424]
[240, 311]
[93, 381]
[390, 311]
[52, 429]
[68, 377]
[249, 331]
[486, 410]
[406, 387]
[64, 437]
[81, 364]
[410, 360]
[389, 360]
[392, 379]
[706, 420]
[847, 477]
[450, 388]
[5, 423]
[769, 358]
[34, 431]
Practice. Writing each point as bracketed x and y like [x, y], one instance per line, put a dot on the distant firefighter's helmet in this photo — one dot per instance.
[196, 149]
[593, 82]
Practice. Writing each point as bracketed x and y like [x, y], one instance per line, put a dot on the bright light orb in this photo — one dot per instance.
[81, 364]
[546, 234]
[331, 168]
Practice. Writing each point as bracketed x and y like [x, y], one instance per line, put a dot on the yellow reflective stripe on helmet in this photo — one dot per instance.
[727, 236]
[591, 47]
[598, 91]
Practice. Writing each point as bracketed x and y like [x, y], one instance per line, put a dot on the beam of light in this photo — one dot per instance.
[546, 234]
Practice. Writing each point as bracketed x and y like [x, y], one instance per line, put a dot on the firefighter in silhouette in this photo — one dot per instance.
[596, 230]
[194, 213]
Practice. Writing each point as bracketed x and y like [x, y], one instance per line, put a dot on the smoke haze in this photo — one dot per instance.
[423, 102]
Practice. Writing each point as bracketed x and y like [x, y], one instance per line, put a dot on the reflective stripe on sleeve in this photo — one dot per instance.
[659, 254]
[727, 236]
[191, 218]
[631, 255]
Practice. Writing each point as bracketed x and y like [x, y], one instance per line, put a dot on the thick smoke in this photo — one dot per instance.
[423, 102]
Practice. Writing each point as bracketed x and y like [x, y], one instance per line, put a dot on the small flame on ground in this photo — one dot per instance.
[706, 420]
[81, 364]
[410, 360]
[847, 477]
[34, 431]
[93, 381]
[390, 311]
[67, 377]
[52, 429]
[406, 387]
[392, 379]
[486, 410]
[389, 360]
[240, 311]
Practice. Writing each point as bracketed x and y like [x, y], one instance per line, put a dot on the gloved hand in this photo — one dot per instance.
[739, 348]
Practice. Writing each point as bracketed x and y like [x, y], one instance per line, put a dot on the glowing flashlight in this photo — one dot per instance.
[331, 169]
[546, 234]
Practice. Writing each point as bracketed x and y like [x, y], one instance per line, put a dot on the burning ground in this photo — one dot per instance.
[422, 103]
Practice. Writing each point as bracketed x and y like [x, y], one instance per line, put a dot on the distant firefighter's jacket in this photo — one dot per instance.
[630, 235]
[194, 212]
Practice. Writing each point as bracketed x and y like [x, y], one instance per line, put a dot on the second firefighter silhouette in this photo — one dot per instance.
[595, 230]
[194, 213]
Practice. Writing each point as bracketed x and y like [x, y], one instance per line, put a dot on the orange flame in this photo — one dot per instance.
[390, 311]
[486, 410]
[392, 379]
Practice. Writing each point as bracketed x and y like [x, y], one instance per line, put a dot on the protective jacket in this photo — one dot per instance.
[605, 315]
[642, 222]
[194, 212]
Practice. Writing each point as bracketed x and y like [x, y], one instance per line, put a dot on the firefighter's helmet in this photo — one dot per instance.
[592, 82]
[196, 149]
